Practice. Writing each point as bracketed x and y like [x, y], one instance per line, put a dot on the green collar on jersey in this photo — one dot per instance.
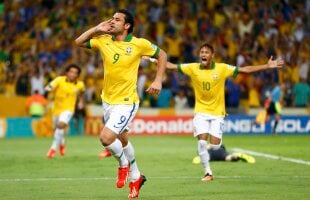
[127, 39]
[212, 66]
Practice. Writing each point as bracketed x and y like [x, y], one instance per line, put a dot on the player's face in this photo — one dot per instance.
[206, 56]
[118, 24]
[72, 74]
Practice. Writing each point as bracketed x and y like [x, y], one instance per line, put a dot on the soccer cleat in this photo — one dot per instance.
[106, 153]
[51, 153]
[246, 158]
[122, 176]
[62, 150]
[196, 160]
[135, 187]
[207, 177]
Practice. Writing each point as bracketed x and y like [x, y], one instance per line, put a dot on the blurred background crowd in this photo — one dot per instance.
[37, 42]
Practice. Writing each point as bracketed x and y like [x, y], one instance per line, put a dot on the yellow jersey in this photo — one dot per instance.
[65, 94]
[209, 85]
[121, 61]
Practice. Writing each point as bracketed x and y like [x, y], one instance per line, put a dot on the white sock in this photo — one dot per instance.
[58, 136]
[63, 140]
[204, 156]
[117, 150]
[134, 172]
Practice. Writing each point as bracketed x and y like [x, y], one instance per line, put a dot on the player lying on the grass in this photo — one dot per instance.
[121, 54]
[67, 90]
[208, 80]
[221, 154]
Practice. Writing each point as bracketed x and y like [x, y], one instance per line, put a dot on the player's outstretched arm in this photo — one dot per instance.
[156, 86]
[169, 65]
[272, 64]
[102, 28]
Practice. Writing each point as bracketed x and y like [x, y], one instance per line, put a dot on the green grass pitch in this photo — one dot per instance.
[25, 172]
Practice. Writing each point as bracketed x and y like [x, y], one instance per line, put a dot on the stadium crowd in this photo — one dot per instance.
[37, 43]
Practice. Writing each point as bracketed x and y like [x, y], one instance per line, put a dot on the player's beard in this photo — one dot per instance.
[115, 31]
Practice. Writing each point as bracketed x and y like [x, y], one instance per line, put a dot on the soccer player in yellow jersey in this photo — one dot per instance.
[121, 54]
[67, 90]
[208, 80]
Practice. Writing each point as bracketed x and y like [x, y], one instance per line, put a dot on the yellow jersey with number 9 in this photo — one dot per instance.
[121, 61]
[65, 94]
[209, 85]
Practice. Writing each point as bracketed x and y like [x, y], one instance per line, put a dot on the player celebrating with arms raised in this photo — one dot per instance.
[121, 53]
[208, 80]
[67, 90]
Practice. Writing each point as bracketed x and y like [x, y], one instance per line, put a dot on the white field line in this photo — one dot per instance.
[113, 178]
[275, 157]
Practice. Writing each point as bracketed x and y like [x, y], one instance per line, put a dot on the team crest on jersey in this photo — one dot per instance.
[128, 50]
[215, 76]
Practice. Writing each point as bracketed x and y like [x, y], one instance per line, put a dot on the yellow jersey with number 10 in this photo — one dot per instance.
[209, 85]
[121, 61]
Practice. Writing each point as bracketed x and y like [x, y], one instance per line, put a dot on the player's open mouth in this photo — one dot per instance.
[204, 59]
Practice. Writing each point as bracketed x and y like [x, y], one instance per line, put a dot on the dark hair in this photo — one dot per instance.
[73, 66]
[128, 18]
[206, 45]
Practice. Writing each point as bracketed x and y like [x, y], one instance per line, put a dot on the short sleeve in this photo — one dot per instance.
[94, 43]
[148, 48]
[81, 86]
[185, 69]
[54, 83]
[231, 71]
